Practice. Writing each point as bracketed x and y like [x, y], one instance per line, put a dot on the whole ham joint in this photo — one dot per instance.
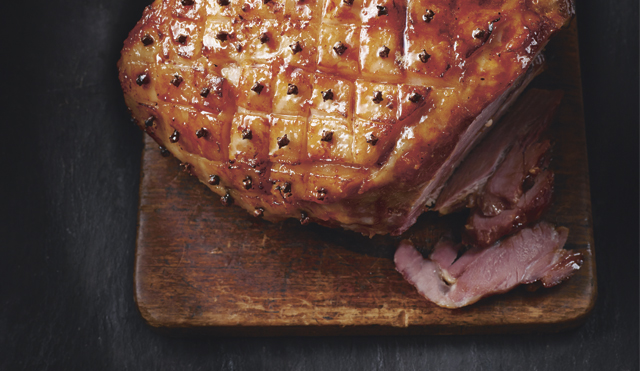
[533, 254]
[346, 113]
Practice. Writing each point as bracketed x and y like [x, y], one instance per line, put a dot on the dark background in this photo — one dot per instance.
[70, 193]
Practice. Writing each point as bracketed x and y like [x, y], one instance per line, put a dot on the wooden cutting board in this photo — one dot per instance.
[201, 266]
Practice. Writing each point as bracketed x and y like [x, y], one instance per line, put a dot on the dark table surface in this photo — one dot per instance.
[70, 194]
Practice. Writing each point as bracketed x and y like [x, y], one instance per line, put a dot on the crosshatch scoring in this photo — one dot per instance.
[303, 68]
[390, 92]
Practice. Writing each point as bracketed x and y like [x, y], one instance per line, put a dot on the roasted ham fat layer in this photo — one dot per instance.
[348, 113]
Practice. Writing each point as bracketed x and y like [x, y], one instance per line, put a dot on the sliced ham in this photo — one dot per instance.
[504, 188]
[484, 231]
[521, 126]
[533, 254]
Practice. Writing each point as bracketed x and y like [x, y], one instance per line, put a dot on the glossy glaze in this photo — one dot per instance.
[225, 67]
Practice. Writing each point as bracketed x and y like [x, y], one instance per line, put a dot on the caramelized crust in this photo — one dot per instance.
[351, 112]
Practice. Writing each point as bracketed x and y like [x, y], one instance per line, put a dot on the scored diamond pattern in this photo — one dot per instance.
[300, 68]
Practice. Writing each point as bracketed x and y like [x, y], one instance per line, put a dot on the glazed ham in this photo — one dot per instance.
[533, 254]
[349, 113]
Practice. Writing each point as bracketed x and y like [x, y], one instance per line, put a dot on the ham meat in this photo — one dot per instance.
[484, 231]
[504, 180]
[514, 136]
[506, 183]
[533, 254]
[504, 188]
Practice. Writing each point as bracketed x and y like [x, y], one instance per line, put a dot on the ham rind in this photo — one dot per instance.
[484, 231]
[523, 125]
[534, 254]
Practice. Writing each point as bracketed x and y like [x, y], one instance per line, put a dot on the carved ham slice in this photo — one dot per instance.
[511, 142]
[349, 113]
[533, 254]
[519, 170]
[483, 231]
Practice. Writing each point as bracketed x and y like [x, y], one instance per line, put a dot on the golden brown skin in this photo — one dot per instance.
[349, 113]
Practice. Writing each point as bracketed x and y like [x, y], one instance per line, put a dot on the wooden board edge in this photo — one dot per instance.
[366, 330]
[138, 299]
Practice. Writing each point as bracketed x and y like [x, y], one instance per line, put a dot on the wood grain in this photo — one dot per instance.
[201, 266]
